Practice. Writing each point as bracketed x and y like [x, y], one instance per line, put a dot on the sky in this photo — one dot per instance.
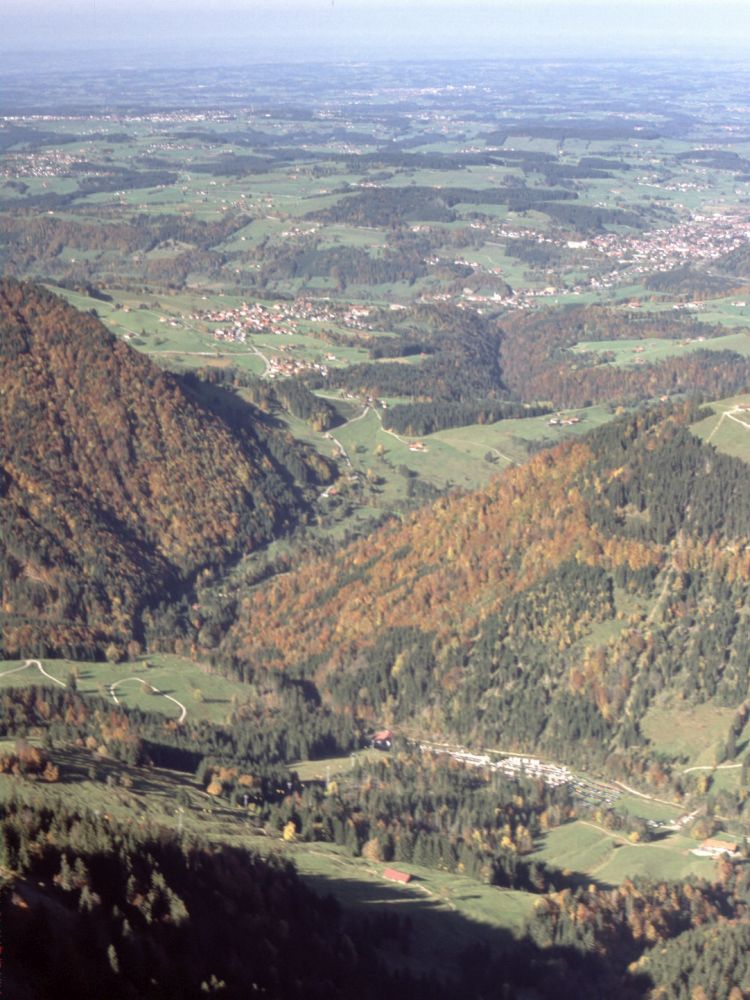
[315, 30]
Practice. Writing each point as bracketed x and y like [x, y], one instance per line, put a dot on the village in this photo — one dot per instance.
[50, 163]
[699, 238]
[281, 318]
[518, 765]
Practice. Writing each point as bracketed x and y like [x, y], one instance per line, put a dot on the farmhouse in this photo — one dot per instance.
[712, 848]
[382, 740]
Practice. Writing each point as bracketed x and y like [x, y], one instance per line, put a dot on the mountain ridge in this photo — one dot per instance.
[547, 610]
[118, 486]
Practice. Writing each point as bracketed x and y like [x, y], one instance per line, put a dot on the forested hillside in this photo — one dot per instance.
[118, 485]
[547, 610]
[537, 363]
[123, 911]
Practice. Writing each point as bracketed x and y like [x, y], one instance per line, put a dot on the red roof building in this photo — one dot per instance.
[393, 875]
[382, 740]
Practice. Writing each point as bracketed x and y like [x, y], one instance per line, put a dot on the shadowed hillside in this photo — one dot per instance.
[118, 486]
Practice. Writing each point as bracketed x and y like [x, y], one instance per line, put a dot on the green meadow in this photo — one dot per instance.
[690, 732]
[205, 695]
[586, 848]
[652, 350]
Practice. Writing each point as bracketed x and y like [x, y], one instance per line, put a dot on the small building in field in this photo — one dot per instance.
[382, 740]
[394, 875]
[712, 848]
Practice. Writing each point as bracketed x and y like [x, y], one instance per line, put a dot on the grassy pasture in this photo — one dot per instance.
[455, 456]
[669, 859]
[647, 809]
[441, 463]
[151, 796]
[172, 675]
[508, 436]
[576, 846]
[584, 847]
[650, 350]
[320, 770]
[727, 432]
[730, 310]
[448, 912]
[691, 732]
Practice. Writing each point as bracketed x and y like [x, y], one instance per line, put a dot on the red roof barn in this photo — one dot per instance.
[393, 875]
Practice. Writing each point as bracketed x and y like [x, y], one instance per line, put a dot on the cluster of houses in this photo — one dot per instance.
[559, 421]
[698, 238]
[49, 163]
[516, 765]
[285, 367]
[634, 256]
[281, 318]
[555, 775]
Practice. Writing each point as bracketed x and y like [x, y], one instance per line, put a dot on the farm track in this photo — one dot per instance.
[505, 458]
[731, 414]
[153, 689]
[38, 665]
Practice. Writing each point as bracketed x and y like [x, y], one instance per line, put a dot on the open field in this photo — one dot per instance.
[647, 809]
[331, 767]
[584, 847]
[669, 859]
[204, 695]
[728, 429]
[652, 350]
[692, 732]
[448, 912]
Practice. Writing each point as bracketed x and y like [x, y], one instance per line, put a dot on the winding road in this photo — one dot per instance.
[344, 454]
[40, 668]
[112, 687]
[151, 687]
[732, 416]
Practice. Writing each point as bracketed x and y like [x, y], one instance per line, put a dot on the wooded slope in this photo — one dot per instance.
[117, 484]
[548, 609]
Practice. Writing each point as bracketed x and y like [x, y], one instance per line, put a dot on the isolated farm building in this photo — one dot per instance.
[714, 848]
[394, 875]
[382, 740]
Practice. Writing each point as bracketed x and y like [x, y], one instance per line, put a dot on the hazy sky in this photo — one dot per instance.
[340, 29]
